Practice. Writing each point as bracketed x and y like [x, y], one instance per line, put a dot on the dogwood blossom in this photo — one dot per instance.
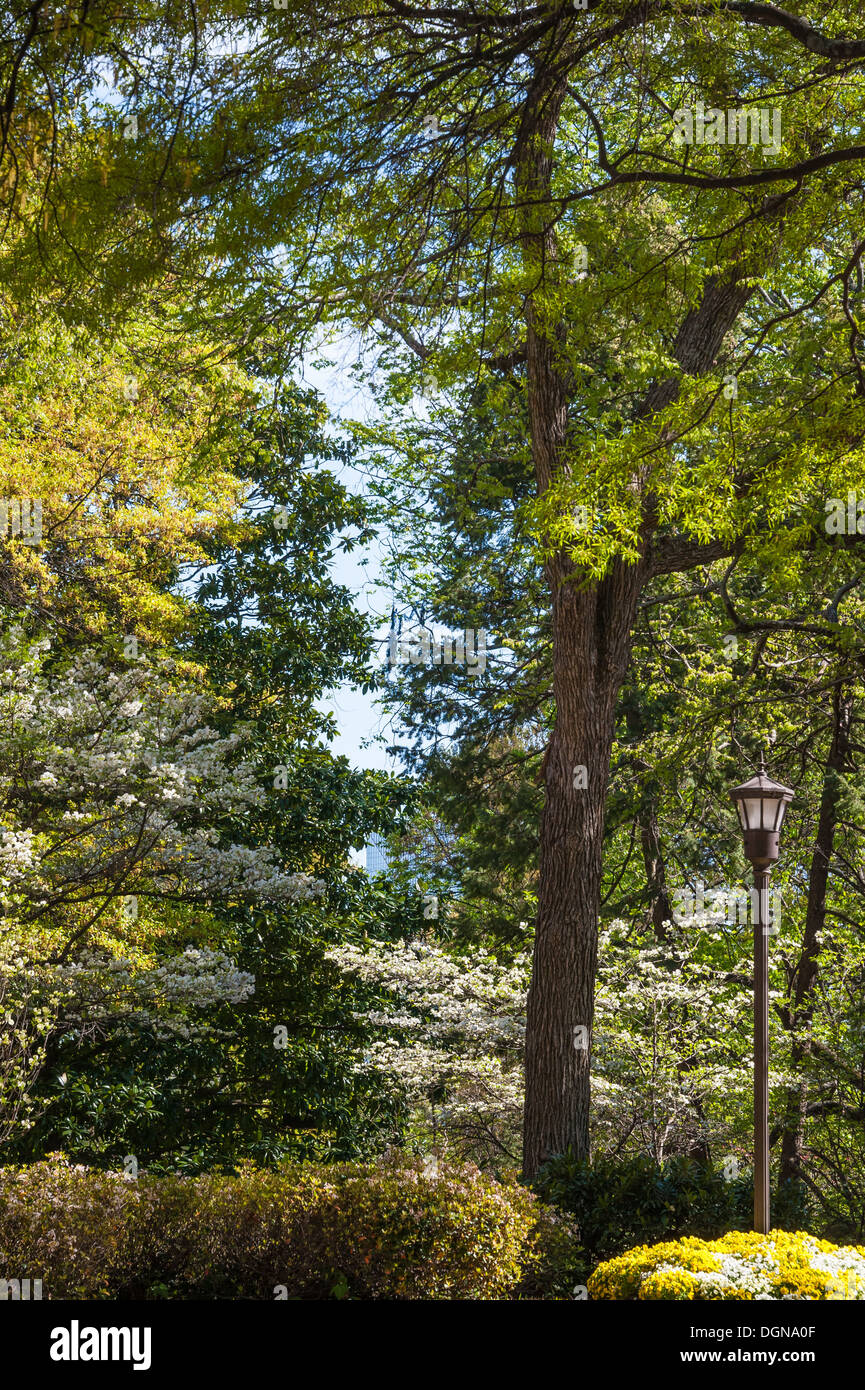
[114, 773]
[453, 1029]
[111, 784]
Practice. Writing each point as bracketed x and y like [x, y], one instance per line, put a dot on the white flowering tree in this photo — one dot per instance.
[113, 787]
[451, 1031]
[111, 782]
[671, 1067]
[95, 995]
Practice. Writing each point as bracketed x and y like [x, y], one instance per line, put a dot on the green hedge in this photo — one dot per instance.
[386, 1230]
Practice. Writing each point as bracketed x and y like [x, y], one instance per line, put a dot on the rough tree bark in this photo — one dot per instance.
[592, 625]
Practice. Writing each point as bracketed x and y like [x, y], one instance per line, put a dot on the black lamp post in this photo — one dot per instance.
[761, 804]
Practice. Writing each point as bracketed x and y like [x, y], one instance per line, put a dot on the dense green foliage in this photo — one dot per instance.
[612, 409]
[619, 1203]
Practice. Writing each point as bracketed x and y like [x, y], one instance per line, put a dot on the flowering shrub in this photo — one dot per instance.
[784, 1265]
[453, 1029]
[67, 1224]
[400, 1228]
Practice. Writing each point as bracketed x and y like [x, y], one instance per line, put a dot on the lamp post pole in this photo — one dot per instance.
[761, 1052]
[761, 804]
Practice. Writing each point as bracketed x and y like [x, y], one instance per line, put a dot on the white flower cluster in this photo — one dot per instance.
[846, 1266]
[456, 1027]
[17, 855]
[742, 1275]
[202, 978]
[468, 998]
[104, 993]
[116, 770]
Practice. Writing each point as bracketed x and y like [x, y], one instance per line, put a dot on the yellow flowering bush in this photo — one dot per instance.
[783, 1265]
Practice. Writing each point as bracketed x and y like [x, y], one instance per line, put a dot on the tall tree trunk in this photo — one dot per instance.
[592, 623]
[800, 1009]
[589, 663]
[591, 637]
[592, 628]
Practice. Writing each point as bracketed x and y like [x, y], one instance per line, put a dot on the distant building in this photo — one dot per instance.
[377, 855]
[381, 857]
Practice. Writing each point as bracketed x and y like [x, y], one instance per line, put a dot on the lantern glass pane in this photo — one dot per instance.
[752, 805]
[741, 809]
[779, 814]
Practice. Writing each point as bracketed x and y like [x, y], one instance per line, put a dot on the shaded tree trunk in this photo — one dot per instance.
[800, 1009]
[659, 906]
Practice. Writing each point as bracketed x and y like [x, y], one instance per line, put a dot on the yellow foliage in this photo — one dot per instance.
[132, 460]
[784, 1265]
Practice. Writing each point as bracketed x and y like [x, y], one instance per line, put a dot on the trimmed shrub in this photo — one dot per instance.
[395, 1229]
[784, 1265]
[66, 1225]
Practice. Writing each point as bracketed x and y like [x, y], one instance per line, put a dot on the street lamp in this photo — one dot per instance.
[761, 804]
